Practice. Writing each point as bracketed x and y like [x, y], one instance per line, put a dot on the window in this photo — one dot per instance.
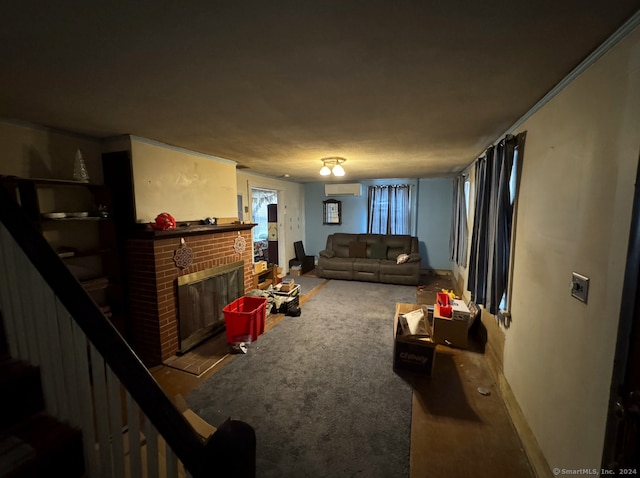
[389, 209]
[260, 198]
[467, 197]
[496, 184]
[504, 303]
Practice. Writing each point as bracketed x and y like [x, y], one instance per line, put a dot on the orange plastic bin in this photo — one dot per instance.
[244, 318]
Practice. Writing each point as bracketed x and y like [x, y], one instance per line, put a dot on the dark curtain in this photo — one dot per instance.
[478, 256]
[491, 237]
[389, 209]
[459, 232]
[378, 214]
[502, 212]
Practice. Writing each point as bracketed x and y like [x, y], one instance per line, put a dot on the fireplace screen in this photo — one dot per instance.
[201, 298]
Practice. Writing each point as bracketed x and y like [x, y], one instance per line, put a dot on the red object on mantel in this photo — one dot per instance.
[163, 222]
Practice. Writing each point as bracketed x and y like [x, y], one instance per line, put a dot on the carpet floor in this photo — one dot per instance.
[319, 389]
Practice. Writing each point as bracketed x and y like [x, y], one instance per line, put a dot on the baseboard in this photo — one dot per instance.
[437, 272]
[537, 459]
[494, 357]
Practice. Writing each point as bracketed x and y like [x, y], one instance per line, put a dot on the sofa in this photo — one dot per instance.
[388, 258]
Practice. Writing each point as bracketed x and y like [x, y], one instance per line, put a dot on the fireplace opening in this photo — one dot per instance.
[201, 297]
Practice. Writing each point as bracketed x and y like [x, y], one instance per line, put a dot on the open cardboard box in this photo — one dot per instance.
[415, 353]
[201, 426]
[452, 331]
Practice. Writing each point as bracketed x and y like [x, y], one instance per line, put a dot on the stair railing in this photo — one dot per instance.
[91, 377]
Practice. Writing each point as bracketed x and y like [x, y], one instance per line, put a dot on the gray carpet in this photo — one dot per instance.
[320, 390]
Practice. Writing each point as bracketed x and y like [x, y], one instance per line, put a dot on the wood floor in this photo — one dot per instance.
[460, 426]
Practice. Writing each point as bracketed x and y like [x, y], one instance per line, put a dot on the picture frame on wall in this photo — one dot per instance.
[332, 212]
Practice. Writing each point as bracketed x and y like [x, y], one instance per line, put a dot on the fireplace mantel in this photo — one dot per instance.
[189, 229]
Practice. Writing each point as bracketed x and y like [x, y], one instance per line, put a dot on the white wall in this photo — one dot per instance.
[574, 213]
[188, 185]
[31, 151]
[291, 223]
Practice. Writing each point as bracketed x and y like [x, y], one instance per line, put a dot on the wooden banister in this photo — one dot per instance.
[117, 354]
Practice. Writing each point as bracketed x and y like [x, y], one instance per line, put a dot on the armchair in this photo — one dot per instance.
[306, 262]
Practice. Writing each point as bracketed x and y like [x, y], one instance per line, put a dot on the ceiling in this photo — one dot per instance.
[402, 89]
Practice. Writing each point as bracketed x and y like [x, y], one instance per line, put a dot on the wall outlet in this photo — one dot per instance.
[580, 287]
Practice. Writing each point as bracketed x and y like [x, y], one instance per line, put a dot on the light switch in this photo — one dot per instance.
[580, 287]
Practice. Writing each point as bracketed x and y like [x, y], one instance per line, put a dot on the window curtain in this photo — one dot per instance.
[459, 232]
[491, 235]
[389, 209]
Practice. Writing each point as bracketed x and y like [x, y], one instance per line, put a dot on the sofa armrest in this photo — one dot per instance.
[327, 253]
[414, 257]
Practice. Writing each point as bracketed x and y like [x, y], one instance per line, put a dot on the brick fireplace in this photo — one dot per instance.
[153, 273]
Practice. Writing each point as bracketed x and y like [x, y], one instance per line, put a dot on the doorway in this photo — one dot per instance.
[260, 200]
[622, 437]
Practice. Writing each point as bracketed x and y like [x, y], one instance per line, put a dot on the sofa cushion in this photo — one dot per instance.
[378, 250]
[339, 243]
[336, 264]
[370, 238]
[366, 265]
[398, 244]
[327, 253]
[358, 249]
[391, 268]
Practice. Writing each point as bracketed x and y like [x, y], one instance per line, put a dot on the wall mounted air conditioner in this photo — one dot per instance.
[343, 189]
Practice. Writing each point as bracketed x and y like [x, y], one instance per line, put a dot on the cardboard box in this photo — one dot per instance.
[415, 353]
[449, 330]
[200, 426]
[287, 286]
[295, 272]
[291, 291]
[459, 310]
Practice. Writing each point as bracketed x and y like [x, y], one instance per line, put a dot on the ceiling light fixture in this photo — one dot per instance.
[332, 165]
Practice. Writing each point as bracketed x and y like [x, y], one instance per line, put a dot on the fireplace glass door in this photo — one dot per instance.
[201, 298]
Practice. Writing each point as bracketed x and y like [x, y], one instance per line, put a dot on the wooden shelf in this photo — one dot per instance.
[73, 254]
[264, 279]
[92, 285]
[79, 219]
[85, 240]
[54, 182]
